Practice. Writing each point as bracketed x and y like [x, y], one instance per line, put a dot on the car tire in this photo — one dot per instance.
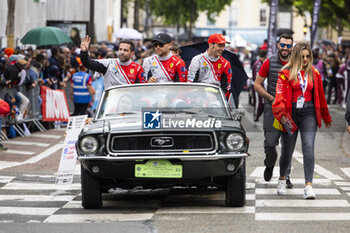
[90, 190]
[235, 190]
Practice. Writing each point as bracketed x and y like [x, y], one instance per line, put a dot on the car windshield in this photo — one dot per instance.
[183, 98]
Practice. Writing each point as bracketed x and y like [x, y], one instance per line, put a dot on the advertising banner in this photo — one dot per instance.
[54, 104]
[316, 12]
[272, 30]
[69, 154]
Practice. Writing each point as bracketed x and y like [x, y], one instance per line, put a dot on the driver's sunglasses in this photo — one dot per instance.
[288, 45]
[156, 44]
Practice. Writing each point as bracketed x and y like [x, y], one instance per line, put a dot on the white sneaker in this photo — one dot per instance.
[281, 187]
[309, 192]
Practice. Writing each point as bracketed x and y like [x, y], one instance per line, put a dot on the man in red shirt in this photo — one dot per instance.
[269, 70]
[210, 66]
[164, 66]
[118, 71]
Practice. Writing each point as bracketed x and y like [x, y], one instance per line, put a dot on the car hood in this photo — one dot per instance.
[130, 123]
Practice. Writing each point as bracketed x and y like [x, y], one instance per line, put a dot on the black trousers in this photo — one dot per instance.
[80, 109]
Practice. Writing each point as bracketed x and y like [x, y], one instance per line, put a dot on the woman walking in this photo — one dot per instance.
[300, 104]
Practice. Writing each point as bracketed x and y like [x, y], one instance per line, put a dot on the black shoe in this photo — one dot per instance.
[268, 173]
[289, 184]
[2, 148]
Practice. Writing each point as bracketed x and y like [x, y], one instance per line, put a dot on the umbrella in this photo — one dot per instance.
[44, 36]
[239, 76]
[128, 33]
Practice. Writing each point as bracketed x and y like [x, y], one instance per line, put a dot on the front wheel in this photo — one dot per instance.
[90, 190]
[235, 190]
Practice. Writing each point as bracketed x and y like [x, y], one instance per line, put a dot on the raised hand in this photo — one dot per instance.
[84, 45]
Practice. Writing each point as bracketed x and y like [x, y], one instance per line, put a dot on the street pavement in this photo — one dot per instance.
[28, 193]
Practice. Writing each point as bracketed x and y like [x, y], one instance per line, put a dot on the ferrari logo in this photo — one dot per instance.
[131, 71]
[116, 67]
[219, 66]
[204, 64]
[171, 65]
[153, 64]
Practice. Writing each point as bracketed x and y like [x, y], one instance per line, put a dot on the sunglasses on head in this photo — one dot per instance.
[306, 56]
[288, 45]
[156, 44]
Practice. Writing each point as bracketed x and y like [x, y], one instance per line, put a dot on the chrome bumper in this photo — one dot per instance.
[230, 155]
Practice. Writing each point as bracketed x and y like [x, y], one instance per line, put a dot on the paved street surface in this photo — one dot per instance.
[28, 193]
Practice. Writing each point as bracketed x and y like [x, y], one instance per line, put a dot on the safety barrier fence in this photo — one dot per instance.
[33, 119]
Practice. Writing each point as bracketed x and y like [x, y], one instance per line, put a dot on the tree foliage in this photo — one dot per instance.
[334, 13]
[186, 12]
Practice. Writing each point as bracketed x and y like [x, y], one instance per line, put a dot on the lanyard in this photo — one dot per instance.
[303, 83]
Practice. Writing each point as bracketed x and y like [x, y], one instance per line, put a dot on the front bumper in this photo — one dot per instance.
[182, 157]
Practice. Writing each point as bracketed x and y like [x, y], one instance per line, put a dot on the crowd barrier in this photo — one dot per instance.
[33, 119]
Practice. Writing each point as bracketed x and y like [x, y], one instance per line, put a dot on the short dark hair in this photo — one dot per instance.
[286, 36]
[262, 53]
[129, 42]
[175, 49]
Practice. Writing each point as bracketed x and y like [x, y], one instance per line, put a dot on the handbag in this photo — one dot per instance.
[4, 108]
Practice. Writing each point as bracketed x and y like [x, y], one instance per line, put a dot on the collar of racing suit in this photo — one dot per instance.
[213, 59]
[165, 57]
[124, 63]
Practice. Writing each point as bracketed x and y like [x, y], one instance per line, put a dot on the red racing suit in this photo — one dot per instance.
[167, 69]
[205, 69]
[114, 71]
[282, 106]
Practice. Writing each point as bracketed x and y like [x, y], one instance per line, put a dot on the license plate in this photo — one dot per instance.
[159, 168]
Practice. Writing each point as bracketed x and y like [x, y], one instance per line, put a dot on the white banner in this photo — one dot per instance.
[69, 154]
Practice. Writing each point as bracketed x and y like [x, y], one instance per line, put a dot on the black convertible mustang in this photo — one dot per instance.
[163, 135]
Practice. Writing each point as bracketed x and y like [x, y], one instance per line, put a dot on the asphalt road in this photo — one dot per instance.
[31, 202]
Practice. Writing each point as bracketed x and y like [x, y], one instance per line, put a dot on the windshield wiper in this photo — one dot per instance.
[121, 113]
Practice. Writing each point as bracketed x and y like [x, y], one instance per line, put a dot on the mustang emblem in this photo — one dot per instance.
[162, 142]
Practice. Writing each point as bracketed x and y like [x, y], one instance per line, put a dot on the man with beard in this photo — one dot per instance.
[269, 70]
[210, 66]
[164, 66]
[115, 71]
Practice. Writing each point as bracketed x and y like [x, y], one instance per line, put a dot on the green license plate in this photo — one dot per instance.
[158, 168]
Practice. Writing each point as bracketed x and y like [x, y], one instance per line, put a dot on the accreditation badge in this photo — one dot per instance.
[300, 102]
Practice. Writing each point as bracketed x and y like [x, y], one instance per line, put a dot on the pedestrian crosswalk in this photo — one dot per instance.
[35, 198]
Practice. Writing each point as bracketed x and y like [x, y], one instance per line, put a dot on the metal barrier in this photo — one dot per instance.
[33, 115]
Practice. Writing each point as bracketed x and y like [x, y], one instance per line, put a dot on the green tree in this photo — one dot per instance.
[334, 13]
[186, 12]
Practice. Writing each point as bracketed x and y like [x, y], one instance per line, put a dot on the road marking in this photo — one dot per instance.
[31, 198]
[19, 152]
[71, 218]
[6, 179]
[302, 203]
[259, 172]
[34, 159]
[39, 186]
[302, 216]
[44, 154]
[45, 136]
[27, 143]
[206, 210]
[345, 188]
[297, 191]
[5, 164]
[346, 171]
[27, 210]
[340, 183]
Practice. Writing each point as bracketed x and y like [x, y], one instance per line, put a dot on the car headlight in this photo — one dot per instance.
[234, 141]
[89, 145]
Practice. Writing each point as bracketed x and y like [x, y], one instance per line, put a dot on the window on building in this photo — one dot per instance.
[263, 20]
[233, 19]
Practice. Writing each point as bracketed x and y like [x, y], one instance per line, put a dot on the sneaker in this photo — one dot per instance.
[281, 187]
[289, 184]
[268, 173]
[309, 192]
[2, 148]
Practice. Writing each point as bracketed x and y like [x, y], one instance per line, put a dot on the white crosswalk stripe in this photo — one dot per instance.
[62, 203]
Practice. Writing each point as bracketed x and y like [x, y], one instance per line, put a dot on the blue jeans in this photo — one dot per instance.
[305, 119]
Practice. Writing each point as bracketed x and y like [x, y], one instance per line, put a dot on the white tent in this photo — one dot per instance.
[128, 33]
